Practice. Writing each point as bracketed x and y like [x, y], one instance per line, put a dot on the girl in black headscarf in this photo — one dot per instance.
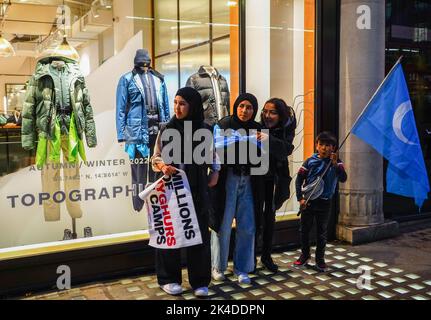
[237, 197]
[188, 110]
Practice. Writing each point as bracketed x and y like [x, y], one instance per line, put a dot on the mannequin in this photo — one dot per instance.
[142, 104]
[58, 90]
[214, 91]
[15, 118]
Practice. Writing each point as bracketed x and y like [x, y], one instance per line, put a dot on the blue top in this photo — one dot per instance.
[310, 171]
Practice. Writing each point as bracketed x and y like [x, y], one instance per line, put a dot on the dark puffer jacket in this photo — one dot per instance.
[280, 148]
[201, 81]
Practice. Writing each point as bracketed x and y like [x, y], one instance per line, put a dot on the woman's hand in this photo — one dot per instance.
[168, 170]
[261, 136]
[213, 179]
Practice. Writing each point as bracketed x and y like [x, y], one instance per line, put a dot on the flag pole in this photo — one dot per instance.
[350, 132]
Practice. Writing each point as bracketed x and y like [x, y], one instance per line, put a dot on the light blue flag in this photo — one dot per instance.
[388, 125]
[221, 141]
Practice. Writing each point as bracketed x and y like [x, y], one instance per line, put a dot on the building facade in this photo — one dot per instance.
[325, 58]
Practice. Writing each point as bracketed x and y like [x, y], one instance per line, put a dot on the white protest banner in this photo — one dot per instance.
[172, 217]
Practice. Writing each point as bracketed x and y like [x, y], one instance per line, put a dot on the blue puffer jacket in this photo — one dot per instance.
[132, 121]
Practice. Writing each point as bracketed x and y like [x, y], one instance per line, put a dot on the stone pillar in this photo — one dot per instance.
[362, 67]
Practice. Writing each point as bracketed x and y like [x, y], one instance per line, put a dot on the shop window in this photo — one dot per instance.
[66, 205]
[194, 22]
[180, 36]
[407, 34]
[168, 66]
[166, 26]
[280, 55]
[199, 33]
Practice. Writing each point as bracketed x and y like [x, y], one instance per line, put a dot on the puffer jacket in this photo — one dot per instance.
[201, 81]
[131, 114]
[39, 109]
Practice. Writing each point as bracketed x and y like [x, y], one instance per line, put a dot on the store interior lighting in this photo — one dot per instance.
[65, 49]
[100, 5]
[95, 12]
[106, 4]
[6, 49]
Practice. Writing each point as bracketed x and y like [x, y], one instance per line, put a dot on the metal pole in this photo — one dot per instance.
[74, 234]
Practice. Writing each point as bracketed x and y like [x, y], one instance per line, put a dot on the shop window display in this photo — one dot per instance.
[12, 156]
[90, 191]
[142, 105]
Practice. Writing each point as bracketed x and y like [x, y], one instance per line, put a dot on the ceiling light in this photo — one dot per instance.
[6, 49]
[106, 4]
[66, 50]
[95, 12]
[4, 7]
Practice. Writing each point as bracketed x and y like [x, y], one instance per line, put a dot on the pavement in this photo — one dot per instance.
[393, 269]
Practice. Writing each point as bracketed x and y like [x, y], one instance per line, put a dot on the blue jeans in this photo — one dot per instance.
[239, 205]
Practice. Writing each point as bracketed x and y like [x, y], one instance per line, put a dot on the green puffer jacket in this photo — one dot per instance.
[39, 110]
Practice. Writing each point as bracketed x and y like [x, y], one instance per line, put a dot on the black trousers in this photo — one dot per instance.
[268, 219]
[168, 262]
[318, 210]
[139, 175]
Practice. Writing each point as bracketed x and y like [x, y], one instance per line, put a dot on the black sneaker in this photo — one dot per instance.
[269, 264]
[302, 261]
[321, 265]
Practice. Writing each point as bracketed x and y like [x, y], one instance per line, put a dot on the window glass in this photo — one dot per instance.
[62, 193]
[408, 34]
[166, 26]
[194, 20]
[191, 60]
[280, 63]
[221, 19]
[68, 186]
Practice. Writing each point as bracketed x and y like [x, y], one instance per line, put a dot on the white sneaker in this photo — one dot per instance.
[201, 292]
[217, 275]
[172, 289]
[243, 278]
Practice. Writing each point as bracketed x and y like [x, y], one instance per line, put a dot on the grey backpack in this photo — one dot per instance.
[318, 185]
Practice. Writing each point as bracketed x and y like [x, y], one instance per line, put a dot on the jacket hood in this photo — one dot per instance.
[42, 68]
[48, 59]
[203, 72]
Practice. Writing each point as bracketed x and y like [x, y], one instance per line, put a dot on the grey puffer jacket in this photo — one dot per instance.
[202, 82]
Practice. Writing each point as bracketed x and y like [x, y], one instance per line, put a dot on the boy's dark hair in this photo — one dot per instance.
[328, 138]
